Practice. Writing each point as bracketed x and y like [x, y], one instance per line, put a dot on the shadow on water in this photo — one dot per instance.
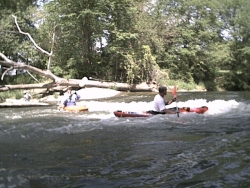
[42, 147]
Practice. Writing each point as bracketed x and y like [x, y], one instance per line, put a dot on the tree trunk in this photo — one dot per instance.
[57, 81]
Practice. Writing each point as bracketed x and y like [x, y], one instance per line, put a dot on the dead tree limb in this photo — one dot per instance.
[38, 47]
[8, 69]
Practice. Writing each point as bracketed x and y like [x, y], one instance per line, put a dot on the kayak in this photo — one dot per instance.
[119, 113]
[75, 108]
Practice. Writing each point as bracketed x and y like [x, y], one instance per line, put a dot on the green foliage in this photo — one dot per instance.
[183, 85]
[114, 87]
[15, 94]
[141, 68]
[236, 22]
[234, 82]
[71, 68]
[56, 95]
[21, 79]
[134, 41]
[59, 71]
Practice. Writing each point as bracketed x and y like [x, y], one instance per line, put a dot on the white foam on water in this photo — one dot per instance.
[113, 106]
[100, 112]
[214, 107]
[96, 93]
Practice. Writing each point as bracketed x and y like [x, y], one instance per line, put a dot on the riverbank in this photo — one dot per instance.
[23, 103]
[85, 93]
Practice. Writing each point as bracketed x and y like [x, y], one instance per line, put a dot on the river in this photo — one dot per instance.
[41, 147]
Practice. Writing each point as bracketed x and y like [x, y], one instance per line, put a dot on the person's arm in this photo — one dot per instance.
[170, 101]
[167, 111]
[77, 97]
[63, 104]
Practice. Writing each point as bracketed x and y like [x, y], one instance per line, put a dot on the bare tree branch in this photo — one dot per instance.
[38, 47]
[5, 58]
[32, 40]
[45, 73]
[52, 48]
[32, 76]
[11, 68]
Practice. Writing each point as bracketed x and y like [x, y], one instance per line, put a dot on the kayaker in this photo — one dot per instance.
[160, 103]
[69, 99]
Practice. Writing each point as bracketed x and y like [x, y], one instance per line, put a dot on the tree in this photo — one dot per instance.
[132, 41]
[12, 43]
[236, 15]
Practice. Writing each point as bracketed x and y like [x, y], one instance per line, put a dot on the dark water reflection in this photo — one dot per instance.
[41, 147]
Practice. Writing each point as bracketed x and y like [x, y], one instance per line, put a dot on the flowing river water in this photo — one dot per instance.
[41, 147]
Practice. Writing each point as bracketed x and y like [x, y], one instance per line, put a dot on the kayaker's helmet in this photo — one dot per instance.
[162, 89]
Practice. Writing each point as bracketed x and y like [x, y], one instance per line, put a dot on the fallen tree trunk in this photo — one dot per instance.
[121, 86]
[15, 65]
[57, 81]
[77, 84]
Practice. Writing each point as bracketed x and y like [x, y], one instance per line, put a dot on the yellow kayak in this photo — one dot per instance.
[75, 108]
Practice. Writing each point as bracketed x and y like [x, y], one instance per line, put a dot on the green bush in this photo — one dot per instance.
[181, 84]
[15, 94]
[21, 79]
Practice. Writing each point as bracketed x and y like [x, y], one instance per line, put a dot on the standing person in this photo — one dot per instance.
[160, 103]
[26, 96]
[69, 99]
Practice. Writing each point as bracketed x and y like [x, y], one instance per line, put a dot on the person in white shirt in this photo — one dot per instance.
[26, 96]
[160, 103]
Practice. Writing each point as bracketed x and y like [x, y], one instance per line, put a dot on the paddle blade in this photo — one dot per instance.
[174, 91]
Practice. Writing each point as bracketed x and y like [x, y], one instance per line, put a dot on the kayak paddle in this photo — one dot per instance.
[174, 94]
